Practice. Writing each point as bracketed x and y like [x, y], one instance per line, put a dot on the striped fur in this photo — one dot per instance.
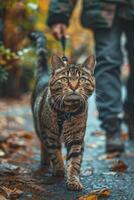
[60, 110]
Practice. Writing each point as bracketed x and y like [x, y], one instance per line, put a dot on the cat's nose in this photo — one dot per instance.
[73, 85]
[73, 90]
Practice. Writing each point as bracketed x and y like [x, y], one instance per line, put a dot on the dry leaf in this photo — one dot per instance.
[3, 192]
[119, 166]
[10, 193]
[16, 193]
[10, 169]
[27, 135]
[37, 188]
[95, 194]
[89, 197]
[104, 192]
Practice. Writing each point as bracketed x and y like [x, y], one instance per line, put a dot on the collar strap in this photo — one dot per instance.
[63, 114]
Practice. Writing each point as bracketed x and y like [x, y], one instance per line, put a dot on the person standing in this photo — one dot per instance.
[108, 19]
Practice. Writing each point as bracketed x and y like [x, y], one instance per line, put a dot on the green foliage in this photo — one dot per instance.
[6, 55]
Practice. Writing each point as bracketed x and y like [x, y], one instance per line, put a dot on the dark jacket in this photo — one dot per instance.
[95, 13]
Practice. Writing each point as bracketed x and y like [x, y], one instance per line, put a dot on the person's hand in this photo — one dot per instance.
[59, 30]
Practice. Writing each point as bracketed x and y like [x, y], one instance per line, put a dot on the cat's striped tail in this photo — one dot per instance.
[40, 40]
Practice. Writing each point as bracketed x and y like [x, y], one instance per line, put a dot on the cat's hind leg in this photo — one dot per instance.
[55, 155]
[45, 160]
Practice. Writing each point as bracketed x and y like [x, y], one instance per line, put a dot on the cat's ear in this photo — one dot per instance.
[56, 62]
[90, 63]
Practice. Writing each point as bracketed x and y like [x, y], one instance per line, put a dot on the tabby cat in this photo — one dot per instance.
[60, 108]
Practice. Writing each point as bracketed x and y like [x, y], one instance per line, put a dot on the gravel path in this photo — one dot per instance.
[96, 168]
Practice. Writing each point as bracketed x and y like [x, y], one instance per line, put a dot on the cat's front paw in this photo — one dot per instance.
[74, 185]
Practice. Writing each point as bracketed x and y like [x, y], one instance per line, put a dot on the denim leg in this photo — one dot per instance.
[129, 31]
[107, 72]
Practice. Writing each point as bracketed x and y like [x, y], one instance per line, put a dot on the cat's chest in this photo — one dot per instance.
[62, 121]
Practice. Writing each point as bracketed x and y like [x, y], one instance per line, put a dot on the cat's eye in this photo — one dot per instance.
[65, 80]
[82, 80]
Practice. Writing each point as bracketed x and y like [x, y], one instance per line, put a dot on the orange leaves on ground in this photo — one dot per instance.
[16, 180]
[7, 193]
[96, 194]
[119, 166]
[15, 145]
[89, 197]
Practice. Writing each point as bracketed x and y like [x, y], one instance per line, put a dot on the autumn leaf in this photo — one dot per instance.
[89, 197]
[96, 194]
[119, 166]
[10, 193]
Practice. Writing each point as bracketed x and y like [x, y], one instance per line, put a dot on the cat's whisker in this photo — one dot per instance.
[61, 103]
[83, 102]
[53, 106]
[56, 102]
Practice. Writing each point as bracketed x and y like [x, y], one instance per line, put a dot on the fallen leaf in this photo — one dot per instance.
[95, 194]
[89, 197]
[27, 135]
[16, 143]
[3, 192]
[119, 166]
[16, 193]
[10, 193]
[37, 188]
[10, 169]
[104, 192]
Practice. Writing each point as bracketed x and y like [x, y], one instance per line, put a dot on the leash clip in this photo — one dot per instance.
[63, 44]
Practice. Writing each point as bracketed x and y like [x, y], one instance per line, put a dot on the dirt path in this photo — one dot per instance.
[21, 177]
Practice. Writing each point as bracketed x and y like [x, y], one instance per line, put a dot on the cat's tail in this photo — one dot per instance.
[40, 40]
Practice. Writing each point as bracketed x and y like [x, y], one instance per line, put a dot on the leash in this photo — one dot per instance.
[63, 45]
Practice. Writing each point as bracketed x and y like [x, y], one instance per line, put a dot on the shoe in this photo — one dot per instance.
[129, 119]
[114, 142]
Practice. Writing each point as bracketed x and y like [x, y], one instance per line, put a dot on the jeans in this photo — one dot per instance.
[109, 61]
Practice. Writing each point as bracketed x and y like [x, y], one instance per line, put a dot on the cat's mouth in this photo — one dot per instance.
[72, 99]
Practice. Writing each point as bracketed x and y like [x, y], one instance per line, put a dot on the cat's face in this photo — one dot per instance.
[72, 84]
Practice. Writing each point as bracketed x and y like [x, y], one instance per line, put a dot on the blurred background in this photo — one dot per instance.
[18, 18]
